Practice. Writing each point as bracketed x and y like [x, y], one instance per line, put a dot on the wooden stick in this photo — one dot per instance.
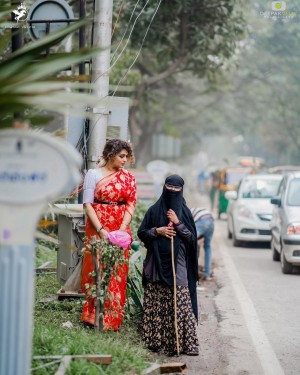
[173, 367]
[46, 365]
[104, 359]
[175, 296]
[65, 361]
[64, 365]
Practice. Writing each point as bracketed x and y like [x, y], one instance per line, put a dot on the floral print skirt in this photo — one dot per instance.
[158, 320]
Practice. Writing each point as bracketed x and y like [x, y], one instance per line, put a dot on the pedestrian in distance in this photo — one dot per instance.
[109, 200]
[170, 273]
[214, 189]
[205, 225]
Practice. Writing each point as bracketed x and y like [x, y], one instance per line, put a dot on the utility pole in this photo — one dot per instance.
[100, 78]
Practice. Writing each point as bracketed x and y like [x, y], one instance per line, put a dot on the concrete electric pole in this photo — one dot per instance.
[100, 78]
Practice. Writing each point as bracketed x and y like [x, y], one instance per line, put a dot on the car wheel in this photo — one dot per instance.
[236, 242]
[229, 234]
[276, 255]
[286, 267]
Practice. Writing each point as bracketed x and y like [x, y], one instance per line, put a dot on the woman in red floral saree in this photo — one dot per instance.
[109, 200]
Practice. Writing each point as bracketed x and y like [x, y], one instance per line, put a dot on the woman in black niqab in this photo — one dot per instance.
[155, 231]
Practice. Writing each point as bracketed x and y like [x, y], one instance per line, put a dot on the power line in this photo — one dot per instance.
[139, 51]
[127, 27]
[120, 54]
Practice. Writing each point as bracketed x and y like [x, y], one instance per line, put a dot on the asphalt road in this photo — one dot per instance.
[249, 313]
[260, 308]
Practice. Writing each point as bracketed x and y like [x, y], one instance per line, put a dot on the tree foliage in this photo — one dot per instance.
[261, 101]
[254, 106]
[197, 36]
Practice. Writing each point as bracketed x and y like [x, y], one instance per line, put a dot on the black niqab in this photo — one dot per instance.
[172, 199]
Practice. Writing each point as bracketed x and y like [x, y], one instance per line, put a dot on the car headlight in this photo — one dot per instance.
[293, 228]
[244, 211]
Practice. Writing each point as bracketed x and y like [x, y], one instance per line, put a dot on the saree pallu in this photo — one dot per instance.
[116, 187]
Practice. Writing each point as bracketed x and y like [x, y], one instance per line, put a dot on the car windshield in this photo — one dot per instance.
[233, 178]
[293, 197]
[260, 188]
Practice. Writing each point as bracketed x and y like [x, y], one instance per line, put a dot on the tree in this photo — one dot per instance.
[195, 36]
[262, 102]
[259, 99]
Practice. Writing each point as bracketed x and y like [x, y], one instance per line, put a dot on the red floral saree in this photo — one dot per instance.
[116, 187]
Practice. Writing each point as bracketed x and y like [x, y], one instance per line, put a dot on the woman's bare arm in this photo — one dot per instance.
[90, 212]
[126, 221]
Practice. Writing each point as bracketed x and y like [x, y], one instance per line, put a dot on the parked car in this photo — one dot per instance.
[285, 224]
[249, 210]
[284, 169]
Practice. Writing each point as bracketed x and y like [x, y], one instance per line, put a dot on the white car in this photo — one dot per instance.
[285, 223]
[249, 210]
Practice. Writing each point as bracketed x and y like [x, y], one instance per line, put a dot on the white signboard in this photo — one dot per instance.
[34, 168]
[158, 169]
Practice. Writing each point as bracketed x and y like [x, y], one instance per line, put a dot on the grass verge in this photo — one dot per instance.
[50, 338]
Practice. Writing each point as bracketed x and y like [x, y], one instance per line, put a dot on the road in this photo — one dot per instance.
[266, 304]
[250, 312]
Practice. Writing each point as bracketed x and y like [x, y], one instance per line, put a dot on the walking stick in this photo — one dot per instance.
[175, 296]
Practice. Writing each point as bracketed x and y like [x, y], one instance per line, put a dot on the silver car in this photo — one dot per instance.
[285, 224]
[249, 210]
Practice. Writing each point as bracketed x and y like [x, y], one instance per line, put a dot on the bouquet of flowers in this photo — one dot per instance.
[108, 254]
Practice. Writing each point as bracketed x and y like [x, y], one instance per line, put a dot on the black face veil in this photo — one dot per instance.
[171, 199]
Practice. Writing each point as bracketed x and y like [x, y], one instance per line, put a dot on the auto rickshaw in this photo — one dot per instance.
[229, 180]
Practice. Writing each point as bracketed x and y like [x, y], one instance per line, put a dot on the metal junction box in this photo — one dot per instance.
[71, 230]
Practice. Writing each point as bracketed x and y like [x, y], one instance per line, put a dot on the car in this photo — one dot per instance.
[284, 169]
[285, 224]
[249, 210]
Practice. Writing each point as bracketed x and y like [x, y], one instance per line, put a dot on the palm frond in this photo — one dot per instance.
[28, 80]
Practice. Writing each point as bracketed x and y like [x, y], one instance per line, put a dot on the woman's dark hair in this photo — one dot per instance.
[113, 147]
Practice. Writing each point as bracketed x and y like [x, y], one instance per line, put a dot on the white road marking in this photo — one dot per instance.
[266, 354]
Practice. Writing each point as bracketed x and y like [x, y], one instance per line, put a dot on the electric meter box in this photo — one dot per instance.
[71, 231]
